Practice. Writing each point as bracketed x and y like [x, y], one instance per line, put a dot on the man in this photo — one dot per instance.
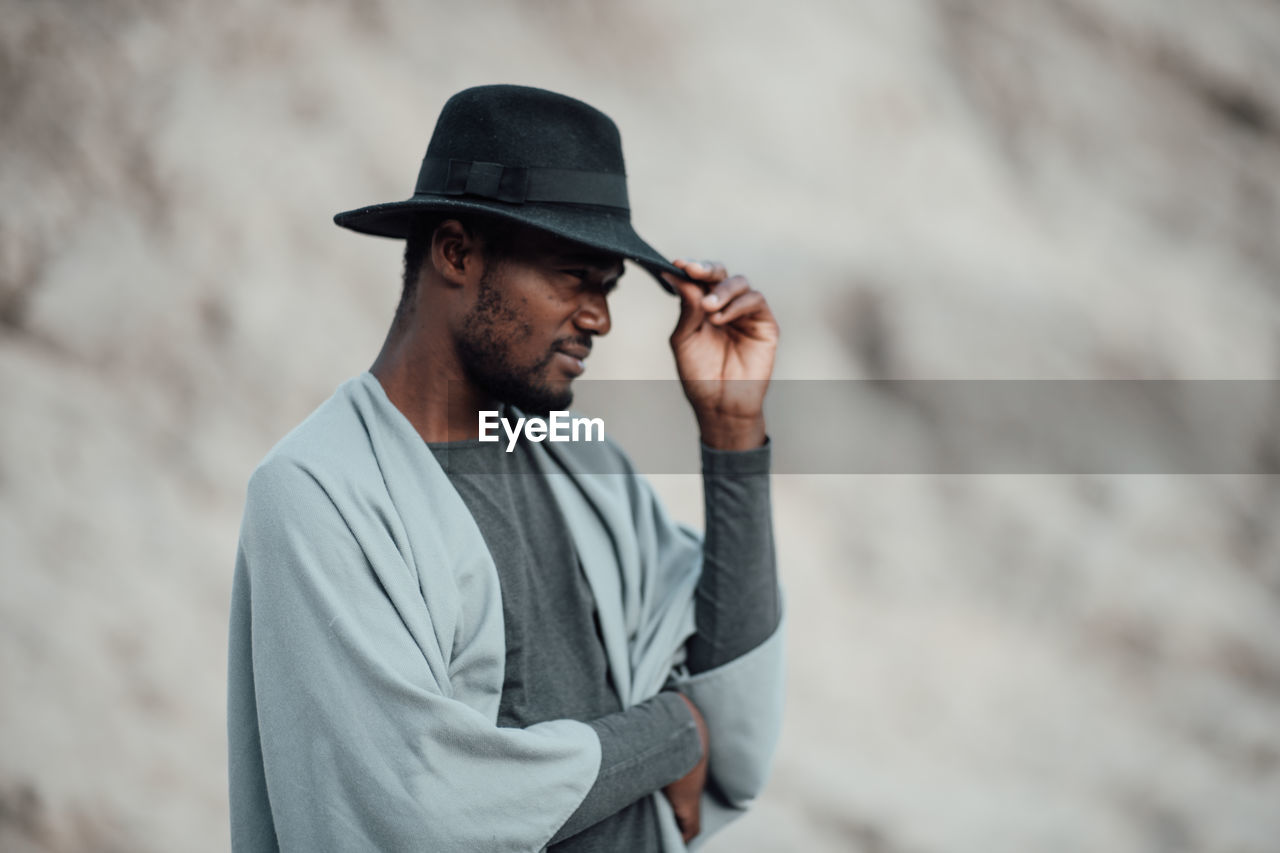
[437, 644]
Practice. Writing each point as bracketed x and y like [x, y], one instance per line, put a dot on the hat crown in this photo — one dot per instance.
[525, 126]
[530, 156]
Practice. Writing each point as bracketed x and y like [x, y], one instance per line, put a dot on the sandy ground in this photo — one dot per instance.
[1038, 190]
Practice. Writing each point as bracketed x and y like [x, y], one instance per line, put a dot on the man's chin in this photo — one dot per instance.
[531, 396]
[543, 400]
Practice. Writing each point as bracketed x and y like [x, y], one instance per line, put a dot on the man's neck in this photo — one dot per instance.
[429, 388]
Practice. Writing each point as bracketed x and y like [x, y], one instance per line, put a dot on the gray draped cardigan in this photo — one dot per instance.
[367, 650]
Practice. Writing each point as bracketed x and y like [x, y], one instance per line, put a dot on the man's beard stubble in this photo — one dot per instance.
[484, 344]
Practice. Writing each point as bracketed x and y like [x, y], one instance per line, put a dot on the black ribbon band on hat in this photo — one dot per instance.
[520, 184]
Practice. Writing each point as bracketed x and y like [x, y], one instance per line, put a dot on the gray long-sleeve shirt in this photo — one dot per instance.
[556, 667]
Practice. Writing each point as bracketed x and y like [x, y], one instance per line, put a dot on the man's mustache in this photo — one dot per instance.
[583, 341]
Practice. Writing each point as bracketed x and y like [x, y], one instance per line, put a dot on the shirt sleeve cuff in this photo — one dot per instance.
[738, 462]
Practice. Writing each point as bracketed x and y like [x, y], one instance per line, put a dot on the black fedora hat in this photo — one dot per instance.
[535, 157]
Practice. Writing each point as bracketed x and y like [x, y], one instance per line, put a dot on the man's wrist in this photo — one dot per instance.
[695, 718]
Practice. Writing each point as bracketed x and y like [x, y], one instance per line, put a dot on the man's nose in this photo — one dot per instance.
[593, 316]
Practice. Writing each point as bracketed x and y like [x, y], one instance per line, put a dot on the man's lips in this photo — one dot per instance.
[574, 354]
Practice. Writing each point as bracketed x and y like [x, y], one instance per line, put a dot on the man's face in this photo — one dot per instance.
[536, 312]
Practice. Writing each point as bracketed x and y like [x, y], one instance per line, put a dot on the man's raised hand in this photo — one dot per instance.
[724, 344]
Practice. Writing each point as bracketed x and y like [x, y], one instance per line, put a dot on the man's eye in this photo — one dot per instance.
[578, 274]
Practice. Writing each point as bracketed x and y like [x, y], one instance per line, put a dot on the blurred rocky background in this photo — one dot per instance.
[1041, 189]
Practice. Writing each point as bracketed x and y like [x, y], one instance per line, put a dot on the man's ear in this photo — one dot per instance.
[455, 253]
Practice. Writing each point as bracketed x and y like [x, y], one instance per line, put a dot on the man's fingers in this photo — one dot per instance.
[687, 825]
[690, 826]
[745, 305]
[708, 271]
[715, 270]
[723, 293]
[691, 313]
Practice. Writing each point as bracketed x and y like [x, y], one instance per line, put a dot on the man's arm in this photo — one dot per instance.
[737, 603]
[724, 344]
[643, 749]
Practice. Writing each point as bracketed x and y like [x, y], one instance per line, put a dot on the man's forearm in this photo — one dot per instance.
[737, 605]
[642, 749]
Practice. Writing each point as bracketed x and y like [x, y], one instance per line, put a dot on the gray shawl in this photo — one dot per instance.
[367, 649]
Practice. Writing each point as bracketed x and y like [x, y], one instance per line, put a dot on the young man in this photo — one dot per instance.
[444, 643]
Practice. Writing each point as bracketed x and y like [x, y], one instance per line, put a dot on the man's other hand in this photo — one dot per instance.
[685, 794]
[724, 344]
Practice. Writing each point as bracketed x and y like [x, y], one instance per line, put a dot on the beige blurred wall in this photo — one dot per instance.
[958, 189]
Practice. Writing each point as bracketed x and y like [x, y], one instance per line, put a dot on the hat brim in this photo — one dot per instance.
[582, 224]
